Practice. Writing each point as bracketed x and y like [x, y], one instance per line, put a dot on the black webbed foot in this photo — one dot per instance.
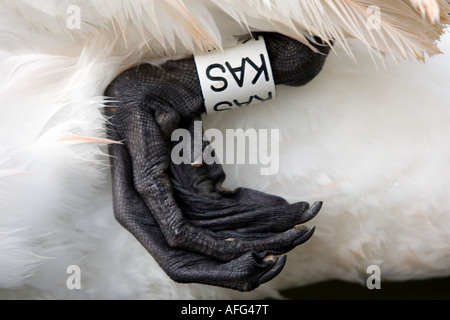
[242, 213]
[195, 229]
[150, 159]
[243, 273]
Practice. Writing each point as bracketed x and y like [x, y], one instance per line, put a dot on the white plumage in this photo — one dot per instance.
[370, 141]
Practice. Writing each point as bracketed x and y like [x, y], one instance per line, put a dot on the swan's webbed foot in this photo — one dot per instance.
[194, 228]
[239, 214]
[253, 261]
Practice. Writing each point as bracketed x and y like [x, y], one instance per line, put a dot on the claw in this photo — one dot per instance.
[305, 237]
[301, 227]
[274, 271]
[311, 212]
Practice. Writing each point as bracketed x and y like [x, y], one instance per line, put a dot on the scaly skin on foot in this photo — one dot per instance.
[196, 230]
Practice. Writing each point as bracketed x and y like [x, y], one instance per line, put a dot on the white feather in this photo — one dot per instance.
[402, 29]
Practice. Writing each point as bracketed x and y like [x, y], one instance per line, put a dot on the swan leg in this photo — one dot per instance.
[197, 230]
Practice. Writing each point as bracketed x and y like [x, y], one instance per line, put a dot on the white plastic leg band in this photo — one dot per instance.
[237, 77]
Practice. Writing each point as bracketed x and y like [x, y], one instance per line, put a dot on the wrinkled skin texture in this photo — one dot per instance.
[195, 229]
